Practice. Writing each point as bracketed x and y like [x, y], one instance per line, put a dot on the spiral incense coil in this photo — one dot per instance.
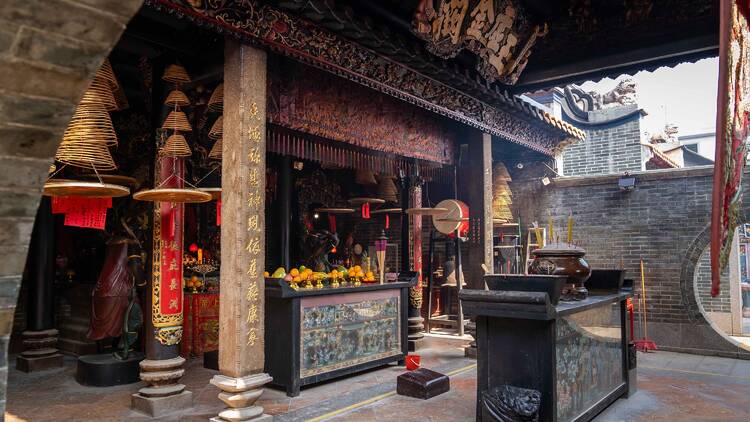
[215, 153]
[177, 98]
[217, 129]
[90, 155]
[216, 102]
[100, 92]
[176, 74]
[177, 120]
[90, 124]
[105, 72]
[176, 146]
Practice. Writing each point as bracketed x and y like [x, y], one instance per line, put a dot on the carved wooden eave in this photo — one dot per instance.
[498, 113]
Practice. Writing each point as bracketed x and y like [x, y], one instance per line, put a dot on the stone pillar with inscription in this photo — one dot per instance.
[162, 368]
[477, 183]
[241, 311]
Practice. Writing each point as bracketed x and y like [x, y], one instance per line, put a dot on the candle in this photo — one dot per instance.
[538, 235]
[200, 255]
[570, 227]
[551, 230]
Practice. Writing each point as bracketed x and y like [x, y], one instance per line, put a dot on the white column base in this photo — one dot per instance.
[240, 394]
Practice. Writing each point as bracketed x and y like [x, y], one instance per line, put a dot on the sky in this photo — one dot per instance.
[684, 95]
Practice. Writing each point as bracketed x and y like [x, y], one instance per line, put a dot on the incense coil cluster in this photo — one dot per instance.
[176, 121]
[90, 133]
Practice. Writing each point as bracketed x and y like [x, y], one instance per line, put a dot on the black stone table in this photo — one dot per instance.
[313, 335]
[575, 354]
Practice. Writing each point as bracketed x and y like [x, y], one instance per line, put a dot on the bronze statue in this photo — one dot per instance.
[115, 311]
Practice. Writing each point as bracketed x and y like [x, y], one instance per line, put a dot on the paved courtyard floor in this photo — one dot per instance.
[672, 387]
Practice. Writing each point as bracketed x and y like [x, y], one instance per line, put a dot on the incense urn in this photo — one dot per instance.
[567, 260]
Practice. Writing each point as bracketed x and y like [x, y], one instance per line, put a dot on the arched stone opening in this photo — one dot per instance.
[49, 51]
[702, 309]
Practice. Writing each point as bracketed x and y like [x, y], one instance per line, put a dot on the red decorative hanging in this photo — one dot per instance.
[332, 223]
[366, 210]
[732, 130]
[218, 213]
[387, 221]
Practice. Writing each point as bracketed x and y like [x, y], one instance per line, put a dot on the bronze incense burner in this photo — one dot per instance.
[563, 259]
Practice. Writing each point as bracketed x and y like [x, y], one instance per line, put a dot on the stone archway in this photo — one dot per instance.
[49, 51]
[706, 329]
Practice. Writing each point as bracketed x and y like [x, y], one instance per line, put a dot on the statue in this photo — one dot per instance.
[317, 245]
[622, 94]
[115, 311]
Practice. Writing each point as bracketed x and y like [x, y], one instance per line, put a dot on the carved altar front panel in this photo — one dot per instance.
[340, 331]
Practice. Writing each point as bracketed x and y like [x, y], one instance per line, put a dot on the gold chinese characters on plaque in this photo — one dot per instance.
[499, 32]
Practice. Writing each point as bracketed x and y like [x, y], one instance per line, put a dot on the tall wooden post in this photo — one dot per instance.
[241, 312]
[477, 183]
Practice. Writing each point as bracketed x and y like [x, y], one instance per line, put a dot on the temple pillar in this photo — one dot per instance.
[40, 338]
[415, 320]
[477, 185]
[241, 312]
[162, 368]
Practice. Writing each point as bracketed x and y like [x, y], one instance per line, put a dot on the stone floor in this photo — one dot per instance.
[672, 387]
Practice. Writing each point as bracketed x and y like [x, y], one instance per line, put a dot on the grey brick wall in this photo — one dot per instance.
[49, 50]
[610, 150]
[664, 221]
[720, 303]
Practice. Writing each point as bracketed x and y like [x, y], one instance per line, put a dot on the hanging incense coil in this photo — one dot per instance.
[90, 155]
[365, 177]
[216, 102]
[100, 92]
[217, 129]
[177, 120]
[176, 146]
[176, 74]
[387, 189]
[177, 98]
[215, 153]
[105, 72]
[90, 124]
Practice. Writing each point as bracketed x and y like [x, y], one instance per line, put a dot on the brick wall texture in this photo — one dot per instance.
[49, 50]
[609, 150]
[720, 303]
[664, 221]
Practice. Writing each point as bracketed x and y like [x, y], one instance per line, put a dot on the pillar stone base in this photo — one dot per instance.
[160, 406]
[240, 394]
[40, 351]
[163, 394]
[416, 332]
